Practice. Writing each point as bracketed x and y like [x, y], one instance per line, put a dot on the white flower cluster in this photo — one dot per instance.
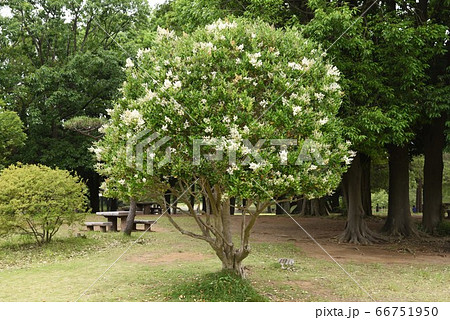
[332, 71]
[282, 179]
[169, 84]
[253, 59]
[97, 151]
[307, 63]
[332, 87]
[149, 95]
[129, 63]
[296, 110]
[206, 46]
[319, 96]
[141, 52]
[348, 159]
[220, 25]
[165, 33]
[130, 117]
[295, 66]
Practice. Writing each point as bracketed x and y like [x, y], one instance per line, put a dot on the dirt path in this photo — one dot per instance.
[325, 231]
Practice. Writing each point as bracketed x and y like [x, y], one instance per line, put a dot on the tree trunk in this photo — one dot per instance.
[130, 217]
[398, 222]
[230, 257]
[167, 199]
[365, 184]
[298, 206]
[334, 200]
[356, 230]
[283, 207]
[233, 265]
[432, 174]
[315, 207]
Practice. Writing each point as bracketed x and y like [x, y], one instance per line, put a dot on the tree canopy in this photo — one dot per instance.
[262, 97]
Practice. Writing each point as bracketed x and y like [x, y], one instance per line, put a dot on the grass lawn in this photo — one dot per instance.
[166, 266]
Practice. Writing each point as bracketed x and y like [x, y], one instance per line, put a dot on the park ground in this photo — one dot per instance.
[167, 266]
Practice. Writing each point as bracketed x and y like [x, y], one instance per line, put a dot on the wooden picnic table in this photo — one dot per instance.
[113, 217]
[150, 207]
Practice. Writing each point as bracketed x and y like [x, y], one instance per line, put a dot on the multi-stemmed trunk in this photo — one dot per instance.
[398, 222]
[432, 174]
[215, 225]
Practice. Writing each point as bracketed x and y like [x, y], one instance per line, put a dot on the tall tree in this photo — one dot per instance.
[11, 135]
[64, 59]
[435, 109]
[203, 99]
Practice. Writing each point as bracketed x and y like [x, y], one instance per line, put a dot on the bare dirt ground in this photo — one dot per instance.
[325, 231]
[435, 250]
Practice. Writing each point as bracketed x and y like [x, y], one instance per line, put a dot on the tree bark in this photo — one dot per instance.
[365, 184]
[315, 207]
[398, 222]
[130, 217]
[298, 206]
[283, 207]
[432, 174]
[334, 200]
[356, 230]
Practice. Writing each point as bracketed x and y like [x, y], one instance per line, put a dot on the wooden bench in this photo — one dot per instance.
[147, 224]
[90, 225]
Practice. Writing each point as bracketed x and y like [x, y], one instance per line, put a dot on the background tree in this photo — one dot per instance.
[11, 135]
[63, 59]
[434, 112]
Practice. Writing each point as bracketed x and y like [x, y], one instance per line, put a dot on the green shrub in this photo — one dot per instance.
[37, 200]
[213, 287]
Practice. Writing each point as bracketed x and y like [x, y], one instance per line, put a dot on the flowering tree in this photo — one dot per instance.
[235, 109]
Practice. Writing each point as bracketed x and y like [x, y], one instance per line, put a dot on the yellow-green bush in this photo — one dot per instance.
[37, 200]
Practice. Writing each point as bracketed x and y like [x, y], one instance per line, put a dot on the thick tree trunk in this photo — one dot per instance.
[315, 207]
[130, 217]
[398, 222]
[432, 174]
[232, 264]
[365, 184]
[356, 230]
